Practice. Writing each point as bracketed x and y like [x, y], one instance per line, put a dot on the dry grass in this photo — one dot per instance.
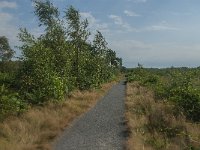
[38, 127]
[156, 125]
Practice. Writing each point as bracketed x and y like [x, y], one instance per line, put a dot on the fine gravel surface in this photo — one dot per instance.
[101, 128]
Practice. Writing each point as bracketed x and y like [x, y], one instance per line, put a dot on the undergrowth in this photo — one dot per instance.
[37, 128]
[157, 125]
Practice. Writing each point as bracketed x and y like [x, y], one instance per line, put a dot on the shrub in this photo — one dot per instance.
[188, 99]
[10, 103]
[177, 85]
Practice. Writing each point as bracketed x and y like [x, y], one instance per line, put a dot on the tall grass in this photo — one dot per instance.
[157, 125]
[38, 128]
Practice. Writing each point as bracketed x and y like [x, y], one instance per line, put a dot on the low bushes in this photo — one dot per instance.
[157, 124]
[175, 86]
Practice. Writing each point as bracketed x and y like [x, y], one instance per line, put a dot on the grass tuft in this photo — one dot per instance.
[157, 125]
[38, 128]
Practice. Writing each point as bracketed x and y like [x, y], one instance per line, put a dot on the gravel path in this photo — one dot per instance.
[102, 128]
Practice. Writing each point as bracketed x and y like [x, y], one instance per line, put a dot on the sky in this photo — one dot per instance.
[154, 33]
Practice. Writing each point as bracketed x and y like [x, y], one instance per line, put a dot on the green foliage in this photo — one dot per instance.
[6, 78]
[158, 144]
[143, 76]
[62, 59]
[40, 81]
[78, 34]
[6, 53]
[55, 63]
[46, 12]
[10, 66]
[179, 86]
[188, 99]
[10, 103]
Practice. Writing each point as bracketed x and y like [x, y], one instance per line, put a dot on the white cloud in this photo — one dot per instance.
[8, 29]
[162, 26]
[5, 17]
[131, 51]
[6, 22]
[95, 24]
[118, 21]
[163, 54]
[89, 16]
[131, 13]
[5, 4]
[138, 44]
[7, 26]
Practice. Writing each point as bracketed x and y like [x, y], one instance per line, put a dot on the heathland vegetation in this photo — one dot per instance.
[54, 79]
[163, 108]
[55, 63]
[59, 75]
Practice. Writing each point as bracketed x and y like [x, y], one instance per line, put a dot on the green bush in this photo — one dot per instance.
[39, 80]
[188, 99]
[177, 85]
[161, 91]
[6, 78]
[150, 80]
[10, 103]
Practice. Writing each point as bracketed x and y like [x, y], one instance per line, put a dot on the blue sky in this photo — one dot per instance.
[155, 33]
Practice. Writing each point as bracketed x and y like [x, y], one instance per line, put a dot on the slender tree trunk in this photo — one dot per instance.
[77, 67]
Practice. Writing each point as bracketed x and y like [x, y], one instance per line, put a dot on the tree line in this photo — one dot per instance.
[58, 61]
